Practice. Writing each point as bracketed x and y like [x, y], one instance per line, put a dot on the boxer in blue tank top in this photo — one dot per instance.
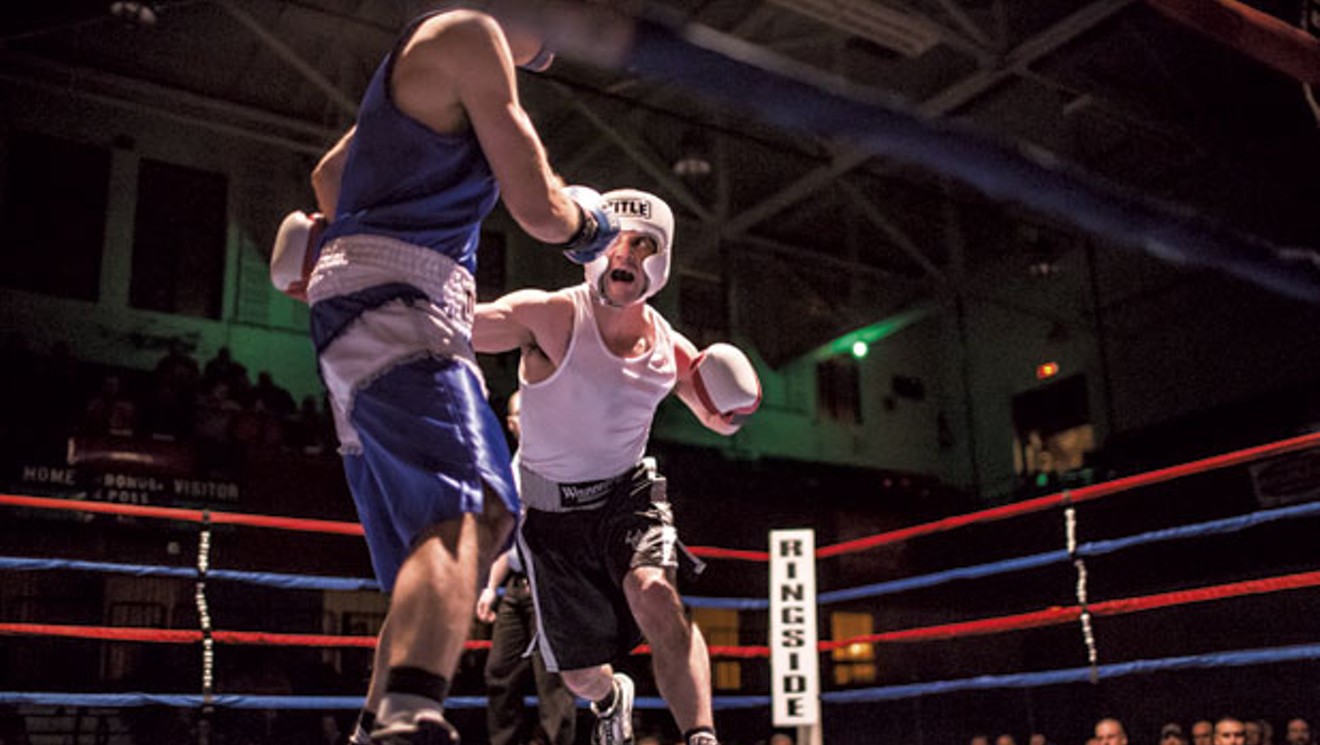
[439, 137]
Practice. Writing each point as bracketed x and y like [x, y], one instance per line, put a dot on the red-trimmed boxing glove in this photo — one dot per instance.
[297, 245]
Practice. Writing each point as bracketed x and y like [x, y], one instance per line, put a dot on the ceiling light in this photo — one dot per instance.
[693, 155]
[134, 12]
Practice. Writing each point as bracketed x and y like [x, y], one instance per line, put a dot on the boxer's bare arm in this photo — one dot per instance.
[499, 570]
[329, 173]
[457, 71]
[522, 319]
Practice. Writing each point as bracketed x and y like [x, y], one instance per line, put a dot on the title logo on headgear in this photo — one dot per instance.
[639, 208]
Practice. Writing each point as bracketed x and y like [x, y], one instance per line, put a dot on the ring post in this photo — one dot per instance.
[794, 661]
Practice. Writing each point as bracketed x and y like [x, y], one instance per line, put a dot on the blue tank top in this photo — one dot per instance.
[406, 181]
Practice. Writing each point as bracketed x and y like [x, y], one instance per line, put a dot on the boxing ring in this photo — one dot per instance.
[1068, 604]
[1106, 655]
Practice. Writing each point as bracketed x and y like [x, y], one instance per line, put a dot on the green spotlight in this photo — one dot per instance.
[859, 349]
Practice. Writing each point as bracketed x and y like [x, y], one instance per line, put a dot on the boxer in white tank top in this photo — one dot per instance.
[592, 414]
[598, 539]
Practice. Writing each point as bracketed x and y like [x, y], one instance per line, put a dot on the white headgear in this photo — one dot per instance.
[645, 213]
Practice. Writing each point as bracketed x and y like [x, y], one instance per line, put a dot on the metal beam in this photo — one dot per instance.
[286, 53]
[630, 148]
[1047, 42]
[262, 136]
[964, 21]
[795, 192]
[73, 77]
[883, 224]
[795, 255]
[948, 100]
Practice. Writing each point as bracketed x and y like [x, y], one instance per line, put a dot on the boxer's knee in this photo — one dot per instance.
[655, 602]
[590, 683]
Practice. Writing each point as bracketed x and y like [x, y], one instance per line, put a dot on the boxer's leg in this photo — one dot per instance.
[678, 650]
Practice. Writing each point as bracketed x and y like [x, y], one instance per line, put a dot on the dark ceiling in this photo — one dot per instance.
[842, 212]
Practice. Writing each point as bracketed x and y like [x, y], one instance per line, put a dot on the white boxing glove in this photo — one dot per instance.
[726, 382]
[297, 246]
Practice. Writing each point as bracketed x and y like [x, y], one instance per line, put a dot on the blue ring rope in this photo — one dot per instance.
[1235, 658]
[978, 571]
[1094, 548]
[268, 579]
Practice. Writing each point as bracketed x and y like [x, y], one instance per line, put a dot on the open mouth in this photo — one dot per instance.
[622, 275]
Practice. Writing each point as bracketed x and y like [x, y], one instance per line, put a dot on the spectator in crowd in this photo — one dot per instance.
[221, 367]
[1005, 739]
[250, 427]
[310, 430]
[1255, 734]
[274, 399]
[1038, 738]
[1172, 734]
[1298, 732]
[170, 411]
[1230, 731]
[1110, 731]
[110, 411]
[216, 410]
[979, 739]
[331, 733]
[177, 367]
[1203, 732]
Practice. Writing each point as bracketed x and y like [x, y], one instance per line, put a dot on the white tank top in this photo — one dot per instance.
[591, 418]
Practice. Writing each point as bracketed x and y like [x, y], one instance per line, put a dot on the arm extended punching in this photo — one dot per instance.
[467, 53]
[523, 319]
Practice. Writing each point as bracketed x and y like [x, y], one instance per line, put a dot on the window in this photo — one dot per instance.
[55, 199]
[854, 663]
[838, 389]
[1053, 431]
[179, 240]
[720, 627]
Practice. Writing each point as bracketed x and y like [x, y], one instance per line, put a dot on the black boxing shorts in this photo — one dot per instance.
[577, 560]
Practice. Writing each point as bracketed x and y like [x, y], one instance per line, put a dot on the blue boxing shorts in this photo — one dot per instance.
[392, 327]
